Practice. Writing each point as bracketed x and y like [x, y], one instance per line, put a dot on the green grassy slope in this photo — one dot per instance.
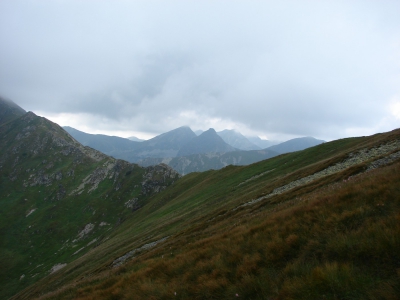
[334, 236]
[59, 199]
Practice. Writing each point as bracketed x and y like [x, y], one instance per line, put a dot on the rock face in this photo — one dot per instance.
[121, 260]
[58, 194]
[361, 156]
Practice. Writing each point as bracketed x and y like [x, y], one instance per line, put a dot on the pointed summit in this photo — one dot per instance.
[173, 139]
[207, 142]
[237, 140]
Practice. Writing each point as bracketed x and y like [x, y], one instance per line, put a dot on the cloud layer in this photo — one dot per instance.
[327, 69]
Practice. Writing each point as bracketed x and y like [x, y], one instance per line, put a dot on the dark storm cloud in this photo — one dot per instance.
[289, 68]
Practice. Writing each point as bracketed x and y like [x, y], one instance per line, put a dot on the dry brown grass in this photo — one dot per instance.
[341, 241]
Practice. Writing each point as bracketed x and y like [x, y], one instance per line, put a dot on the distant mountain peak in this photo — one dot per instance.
[209, 131]
[237, 140]
[207, 142]
[296, 144]
[135, 139]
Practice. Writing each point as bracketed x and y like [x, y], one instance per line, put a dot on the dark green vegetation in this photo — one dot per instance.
[59, 199]
[335, 236]
[9, 111]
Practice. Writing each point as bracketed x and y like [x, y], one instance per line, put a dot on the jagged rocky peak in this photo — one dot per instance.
[207, 142]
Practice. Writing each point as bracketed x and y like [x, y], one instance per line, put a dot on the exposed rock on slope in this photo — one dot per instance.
[361, 156]
[60, 199]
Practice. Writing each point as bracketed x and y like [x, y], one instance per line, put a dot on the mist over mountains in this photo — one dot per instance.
[187, 152]
[237, 140]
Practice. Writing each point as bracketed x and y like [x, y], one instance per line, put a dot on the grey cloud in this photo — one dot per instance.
[287, 67]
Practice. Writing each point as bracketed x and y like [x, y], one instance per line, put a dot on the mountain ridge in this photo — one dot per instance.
[296, 144]
[159, 149]
[237, 140]
[207, 142]
[9, 111]
[54, 189]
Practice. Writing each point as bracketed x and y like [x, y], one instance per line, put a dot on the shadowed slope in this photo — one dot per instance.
[60, 199]
[9, 111]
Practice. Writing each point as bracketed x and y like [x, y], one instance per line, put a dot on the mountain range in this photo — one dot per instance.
[320, 223]
[237, 140]
[187, 152]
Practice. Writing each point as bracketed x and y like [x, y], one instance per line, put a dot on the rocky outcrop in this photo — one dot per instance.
[157, 178]
[119, 261]
[353, 159]
[58, 193]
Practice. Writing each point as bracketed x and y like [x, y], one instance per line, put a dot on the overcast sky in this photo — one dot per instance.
[278, 69]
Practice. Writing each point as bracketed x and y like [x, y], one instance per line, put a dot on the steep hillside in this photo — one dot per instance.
[237, 140]
[296, 144]
[60, 199]
[322, 223]
[207, 142]
[9, 111]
